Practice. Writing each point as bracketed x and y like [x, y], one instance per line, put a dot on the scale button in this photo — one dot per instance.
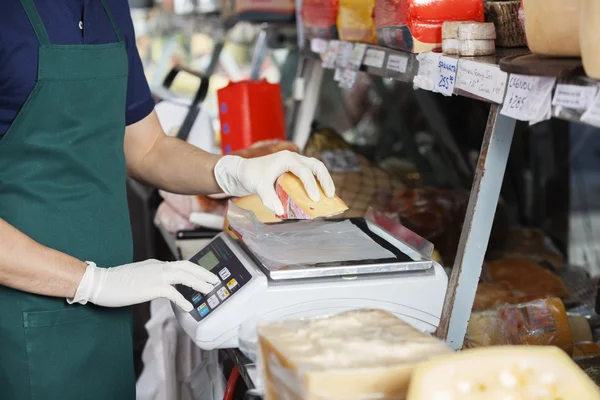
[224, 273]
[203, 310]
[223, 293]
[213, 301]
[196, 298]
[232, 284]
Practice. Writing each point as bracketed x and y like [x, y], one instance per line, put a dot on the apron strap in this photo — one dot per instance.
[112, 21]
[36, 22]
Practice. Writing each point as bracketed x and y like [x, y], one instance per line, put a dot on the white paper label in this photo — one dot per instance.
[357, 56]
[331, 54]
[344, 54]
[337, 76]
[482, 80]
[374, 58]
[397, 63]
[428, 72]
[446, 75]
[592, 115]
[348, 78]
[318, 46]
[526, 97]
[574, 96]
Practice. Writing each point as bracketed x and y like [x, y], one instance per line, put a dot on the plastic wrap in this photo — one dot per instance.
[416, 25]
[319, 18]
[541, 322]
[552, 27]
[280, 245]
[365, 354]
[355, 21]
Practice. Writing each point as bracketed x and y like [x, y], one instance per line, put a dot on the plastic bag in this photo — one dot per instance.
[303, 242]
[206, 382]
[319, 18]
[355, 21]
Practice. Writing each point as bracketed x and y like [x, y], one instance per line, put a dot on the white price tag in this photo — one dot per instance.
[357, 56]
[337, 76]
[592, 115]
[526, 97]
[483, 80]
[397, 63]
[318, 46]
[331, 54]
[446, 75]
[374, 58]
[428, 72]
[348, 78]
[574, 96]
[344, 54]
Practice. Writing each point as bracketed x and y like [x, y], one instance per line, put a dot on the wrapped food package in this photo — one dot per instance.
[541, 322]
[363, 354]
[509, 372]
[490, 296]
[589, 36]
[552, 27]
[355, 21]
[416, 25]
[319, 18]
[297, 204]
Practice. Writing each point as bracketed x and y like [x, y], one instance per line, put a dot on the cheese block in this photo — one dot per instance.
[362, 354]
[253, 203]
[589, 37]
[475, 48]
[552, 27]
[297, 204]
[580, 328]
[450, 46]
[477, 31]
[450, 29]
[508, 372]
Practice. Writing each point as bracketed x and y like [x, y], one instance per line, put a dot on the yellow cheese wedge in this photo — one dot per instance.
[589, 36]
[507, 372]
[297, 204]
[365, 354]
[253, 203]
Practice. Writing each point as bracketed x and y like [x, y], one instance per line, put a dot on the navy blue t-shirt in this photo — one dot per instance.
[19, 49]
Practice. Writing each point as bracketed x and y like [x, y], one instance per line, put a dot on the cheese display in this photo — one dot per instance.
[416, 26]
[475, 48]
[552, 27]
[362, 354]
[355, 21]
[476, 31]
[509, 372]
[589, 37]
[319, 18]
[297, 204]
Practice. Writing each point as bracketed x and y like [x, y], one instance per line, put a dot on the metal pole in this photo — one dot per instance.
[477, 227]
[311, 81]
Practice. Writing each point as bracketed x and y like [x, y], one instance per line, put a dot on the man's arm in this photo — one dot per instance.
[167, 162]
[28, 266]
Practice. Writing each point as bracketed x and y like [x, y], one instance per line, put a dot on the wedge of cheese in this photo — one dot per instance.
[253, 203]
[508, 372]
[363, 354]
[297, 204]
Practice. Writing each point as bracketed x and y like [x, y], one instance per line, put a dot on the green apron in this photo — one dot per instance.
[62, 183]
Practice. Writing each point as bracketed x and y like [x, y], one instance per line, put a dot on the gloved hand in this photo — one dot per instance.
[140, 282]
[239, 176]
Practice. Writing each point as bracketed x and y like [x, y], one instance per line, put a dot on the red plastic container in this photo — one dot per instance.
[250, 111]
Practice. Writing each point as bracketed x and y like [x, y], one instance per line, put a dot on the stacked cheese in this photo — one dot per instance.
[354, 355]
[466, 38]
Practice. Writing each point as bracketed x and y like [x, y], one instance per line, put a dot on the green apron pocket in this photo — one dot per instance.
[80, 352]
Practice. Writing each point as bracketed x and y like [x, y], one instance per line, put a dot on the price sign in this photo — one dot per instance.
[482, 80]
[374, 58]
[528, 97]
[318, 46]
[574, 96]
[344, 54]
[358, 54]
[331, 54]
[428, 71]
[446, 75]
[592, 115]
[397, 63]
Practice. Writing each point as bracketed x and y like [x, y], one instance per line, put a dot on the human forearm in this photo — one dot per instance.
[30, 267]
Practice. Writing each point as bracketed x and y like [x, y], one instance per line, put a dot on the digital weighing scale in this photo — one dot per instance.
[411, 285]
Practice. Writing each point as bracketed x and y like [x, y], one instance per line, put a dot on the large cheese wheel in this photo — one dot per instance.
[509, 372]
[589, 37]
[552, 27]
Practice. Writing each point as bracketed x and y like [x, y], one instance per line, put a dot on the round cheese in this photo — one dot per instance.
[552, 27]
[477, 31]
[450, 29]
[450, 46]
[589, 37]
[471, 48]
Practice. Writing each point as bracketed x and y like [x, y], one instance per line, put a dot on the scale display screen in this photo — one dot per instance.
[220, 260]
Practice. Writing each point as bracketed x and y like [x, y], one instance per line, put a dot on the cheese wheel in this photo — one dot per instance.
[552, 27]
[450, 29]
[477, 31]
[508, 372]
[450, 46]
[589, 37]
[474, 48]
[363, 354]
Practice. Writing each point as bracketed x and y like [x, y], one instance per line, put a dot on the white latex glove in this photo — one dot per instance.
[239, 176]
[141, 282]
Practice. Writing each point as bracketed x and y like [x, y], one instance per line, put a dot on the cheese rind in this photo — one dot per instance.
[474, 48]
[506, 372]
[450, 46]
[450, 29]
[477, 31]
[552, 27]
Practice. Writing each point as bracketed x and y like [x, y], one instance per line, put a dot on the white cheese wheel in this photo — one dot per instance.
[477, 31]
[450, 46]
[450, 29]
[473, 48]
[589, 37]
[552, 27]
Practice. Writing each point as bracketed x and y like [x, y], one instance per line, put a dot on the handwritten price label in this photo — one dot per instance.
[397, 63]
[446, 78]
[374, 58]
[318, 46]
[427, 76]
[574, 96]
[481, 80]
[331, 55]
[528, 97]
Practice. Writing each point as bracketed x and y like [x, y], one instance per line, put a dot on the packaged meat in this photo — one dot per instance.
[509, 372]
[319, 18]
[297, 204]
[552, 27]
[355, 21]
[540, 322]
[416, 25]
[589, 37]
[365, 354]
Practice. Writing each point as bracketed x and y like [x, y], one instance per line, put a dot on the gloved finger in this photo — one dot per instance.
[308, 180]
[320, 171]
[270, 199]
[172, 294]
[196, 270]
[186, 278]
